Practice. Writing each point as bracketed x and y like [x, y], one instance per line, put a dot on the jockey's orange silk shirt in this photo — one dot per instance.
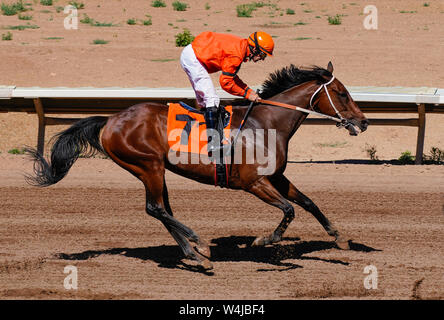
[223, 52]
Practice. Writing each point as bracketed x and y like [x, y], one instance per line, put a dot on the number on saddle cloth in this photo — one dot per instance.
[187, 129]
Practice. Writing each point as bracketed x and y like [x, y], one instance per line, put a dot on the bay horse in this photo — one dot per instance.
[136, 139]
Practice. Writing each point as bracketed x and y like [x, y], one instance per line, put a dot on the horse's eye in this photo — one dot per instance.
[343, 94]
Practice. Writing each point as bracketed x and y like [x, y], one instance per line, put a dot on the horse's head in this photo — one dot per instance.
[332, 98]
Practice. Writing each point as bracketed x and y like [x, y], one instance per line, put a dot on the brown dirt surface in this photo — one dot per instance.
[94, 219]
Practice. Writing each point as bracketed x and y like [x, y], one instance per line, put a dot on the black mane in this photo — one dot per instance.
[291, 76]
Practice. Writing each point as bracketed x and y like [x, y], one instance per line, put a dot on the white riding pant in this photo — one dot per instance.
[206, 95]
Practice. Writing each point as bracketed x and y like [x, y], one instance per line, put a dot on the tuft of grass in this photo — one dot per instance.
[100, 41]
[436, 156]
[183, 39]
[77, 5]
[406, 158]
[13, 8]
[207, 6]
[87, 20]
[302, 38]
[246, 10]
[337, 144]
[180, 6]
[289, 11]
[46, 2]
[404, 11]
[163, 60]
[158, 4]
[22, 27]
[147, 22]
[7, 36]
[334, 20]
[53, 38]
[131, 21]
[371, 152]
[300, 23]
[24, 17]
[16, 151]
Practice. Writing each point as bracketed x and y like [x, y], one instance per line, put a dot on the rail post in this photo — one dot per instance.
[421, 133]
[42, 124]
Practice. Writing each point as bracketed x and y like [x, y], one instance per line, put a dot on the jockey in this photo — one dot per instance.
[212, 52]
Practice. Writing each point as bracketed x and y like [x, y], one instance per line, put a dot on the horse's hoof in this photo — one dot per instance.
[259, 242]
[198, 264]
[342, 243]
[204, 250]
[206, 265]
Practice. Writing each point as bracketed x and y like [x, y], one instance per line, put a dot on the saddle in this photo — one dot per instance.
[187, 133]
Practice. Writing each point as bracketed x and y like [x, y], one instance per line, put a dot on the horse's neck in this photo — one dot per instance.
[287, 121]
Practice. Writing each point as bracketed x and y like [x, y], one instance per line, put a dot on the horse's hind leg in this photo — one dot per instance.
[289, 191]
[264, 190]
[155, 206]
[201, 246]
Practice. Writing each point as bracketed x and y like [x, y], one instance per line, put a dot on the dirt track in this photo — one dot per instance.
[95, 220]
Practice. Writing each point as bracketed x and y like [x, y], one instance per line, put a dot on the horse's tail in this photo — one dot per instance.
[82, 138]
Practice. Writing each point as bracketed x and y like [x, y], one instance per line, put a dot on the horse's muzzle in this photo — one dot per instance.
[354, 126]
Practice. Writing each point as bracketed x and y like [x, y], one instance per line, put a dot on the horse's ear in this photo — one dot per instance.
[330, 67]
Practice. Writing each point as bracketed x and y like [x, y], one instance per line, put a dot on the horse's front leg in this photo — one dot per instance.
[264, 190]
[290, 192]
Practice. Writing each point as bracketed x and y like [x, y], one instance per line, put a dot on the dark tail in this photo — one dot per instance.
[82, 138]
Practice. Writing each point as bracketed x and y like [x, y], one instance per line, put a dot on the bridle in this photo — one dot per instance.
[324, 86]
[341, 121]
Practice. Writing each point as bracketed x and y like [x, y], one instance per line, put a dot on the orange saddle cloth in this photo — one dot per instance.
[186, 129]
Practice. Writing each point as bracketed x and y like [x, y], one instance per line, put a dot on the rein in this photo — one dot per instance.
[292, 107]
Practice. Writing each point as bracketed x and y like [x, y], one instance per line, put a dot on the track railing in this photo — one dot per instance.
[80, 101]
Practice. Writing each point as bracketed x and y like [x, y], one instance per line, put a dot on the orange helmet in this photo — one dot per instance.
[261, 41]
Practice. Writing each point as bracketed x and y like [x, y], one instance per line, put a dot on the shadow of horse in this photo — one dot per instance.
[227, 249]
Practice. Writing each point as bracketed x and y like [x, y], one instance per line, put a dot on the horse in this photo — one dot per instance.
[136, 139]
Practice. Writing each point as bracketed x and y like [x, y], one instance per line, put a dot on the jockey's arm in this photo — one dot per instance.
[230, 81]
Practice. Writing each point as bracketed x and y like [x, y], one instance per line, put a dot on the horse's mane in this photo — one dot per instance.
[291, 76]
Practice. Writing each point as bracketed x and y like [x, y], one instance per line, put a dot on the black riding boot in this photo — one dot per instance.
[215, 150]
[211, 121]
